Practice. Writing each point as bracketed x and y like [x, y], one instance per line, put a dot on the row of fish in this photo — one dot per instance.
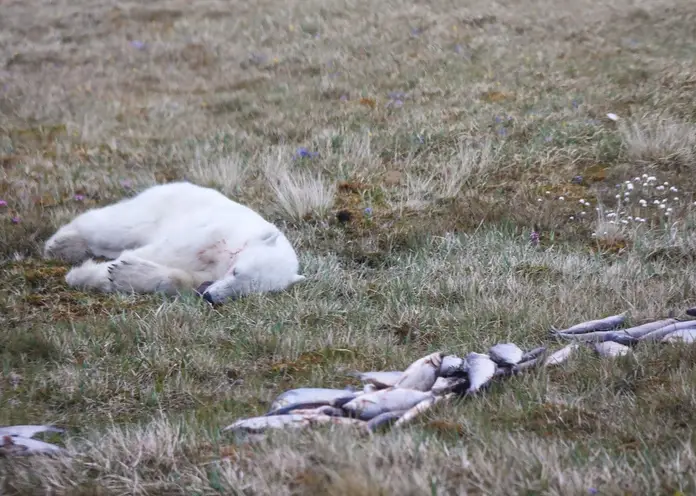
[397, 397]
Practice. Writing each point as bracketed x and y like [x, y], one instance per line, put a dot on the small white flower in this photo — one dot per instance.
[673, 189]
[664, 200]
[669, 210]
[561, 198]
[582, 201]
[661, 205]
[656, 202]
[645, 176]
[582, 213]
[613, 116]
[572, 218]
[666, 183]
[660, 188]
[617, 196]
[651, 179]
[624, 221]
[630, 187]
[676, 198]
[594, 234]
[611, 222]
[548, 192]
[636, 179]
[539, 200]
[630, 217]
[642, 220]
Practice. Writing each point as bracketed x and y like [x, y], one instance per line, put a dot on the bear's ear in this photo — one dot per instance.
[270, 238]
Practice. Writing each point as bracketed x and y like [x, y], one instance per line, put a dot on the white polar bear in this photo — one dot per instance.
[176, 237]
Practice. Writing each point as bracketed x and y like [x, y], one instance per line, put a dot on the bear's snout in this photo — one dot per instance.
[201, 289]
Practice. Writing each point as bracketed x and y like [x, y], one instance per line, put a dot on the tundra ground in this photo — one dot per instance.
[409, 149]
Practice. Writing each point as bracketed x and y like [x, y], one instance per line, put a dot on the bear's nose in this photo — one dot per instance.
[208, 298]
[201, 289]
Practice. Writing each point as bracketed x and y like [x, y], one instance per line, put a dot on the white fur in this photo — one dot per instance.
[174, 237]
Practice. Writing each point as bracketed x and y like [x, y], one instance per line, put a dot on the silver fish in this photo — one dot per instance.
[533, 353]
[634, 332]
[22, 446]
[519, 368]
[380, 379]
[308, 395]
[322, 410]
[383, 419]
[28, 430]
[481, 371]
[611, 349]
[417, 410]
[685, 336]
[291, 408]
[290, 421]
[620, 338]
[561, 355]
[422, 373]
[505, 354]
[368, 406]
[596, 325]
[370, 388]
[444, 385]
[452, 364]
[658, 334]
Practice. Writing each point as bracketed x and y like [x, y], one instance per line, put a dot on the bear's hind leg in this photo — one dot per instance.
[131, 273]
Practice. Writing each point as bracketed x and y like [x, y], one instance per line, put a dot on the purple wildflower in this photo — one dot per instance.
[592, 490]
[138, 45]
[125, 183]
[15, 220]
[3, 203]
[368, 211]
[344, 98]
[548, 139]
[79, 197]
[304, 153]
[534, 238]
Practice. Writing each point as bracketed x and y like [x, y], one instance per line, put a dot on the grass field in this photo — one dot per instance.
[445, 133]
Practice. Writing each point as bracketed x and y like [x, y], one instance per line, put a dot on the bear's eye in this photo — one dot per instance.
[235, 272]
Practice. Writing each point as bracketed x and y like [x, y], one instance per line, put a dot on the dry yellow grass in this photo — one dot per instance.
[447, 132]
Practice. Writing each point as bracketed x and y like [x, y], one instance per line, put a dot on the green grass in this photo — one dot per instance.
[503, 105]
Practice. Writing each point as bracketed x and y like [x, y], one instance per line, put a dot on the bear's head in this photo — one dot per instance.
[265, 264]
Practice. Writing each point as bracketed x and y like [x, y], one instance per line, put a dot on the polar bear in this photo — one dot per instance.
[173, 238]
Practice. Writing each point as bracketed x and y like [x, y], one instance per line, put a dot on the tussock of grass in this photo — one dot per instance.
[655, 139]
[299, 195]
[408, 154]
